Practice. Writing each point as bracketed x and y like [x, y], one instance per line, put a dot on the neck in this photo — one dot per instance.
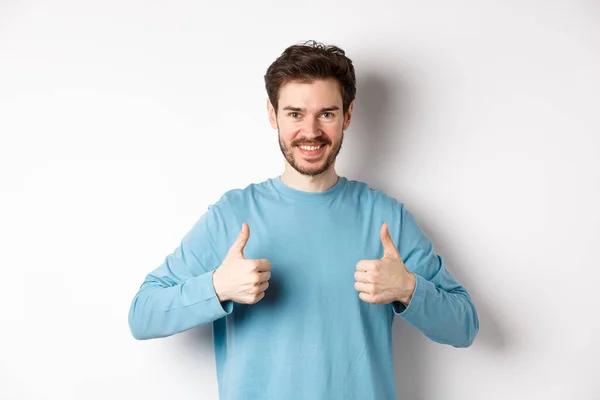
[305, 183]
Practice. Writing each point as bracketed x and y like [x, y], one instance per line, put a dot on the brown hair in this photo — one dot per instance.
[309, 61]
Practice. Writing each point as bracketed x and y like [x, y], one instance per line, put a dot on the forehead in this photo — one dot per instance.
[316, 94]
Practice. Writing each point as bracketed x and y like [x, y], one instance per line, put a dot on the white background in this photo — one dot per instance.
[121, 121]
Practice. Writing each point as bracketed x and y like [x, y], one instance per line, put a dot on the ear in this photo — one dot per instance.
[348, 116]
[272, 115]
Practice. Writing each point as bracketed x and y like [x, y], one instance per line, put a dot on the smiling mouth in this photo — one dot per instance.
[311, 147]
[312, 151]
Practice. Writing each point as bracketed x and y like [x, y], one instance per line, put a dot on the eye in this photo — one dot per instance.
[330, 115]
[293, 114]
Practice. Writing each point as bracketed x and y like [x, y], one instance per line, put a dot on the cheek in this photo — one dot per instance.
[334, 131]
[284, 126]
[338, 130]
[334, 128]
[286, 133]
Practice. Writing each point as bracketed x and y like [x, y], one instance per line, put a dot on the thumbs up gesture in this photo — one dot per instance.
[387, 279]
[239, 279]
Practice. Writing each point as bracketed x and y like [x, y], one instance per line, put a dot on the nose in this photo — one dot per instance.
[311, 128]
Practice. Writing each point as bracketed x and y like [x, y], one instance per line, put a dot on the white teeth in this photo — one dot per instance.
[310, 147]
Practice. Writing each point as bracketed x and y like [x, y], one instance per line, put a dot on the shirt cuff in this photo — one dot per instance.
[215, 309]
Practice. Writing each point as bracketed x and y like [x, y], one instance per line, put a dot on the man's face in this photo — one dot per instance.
[310, 123]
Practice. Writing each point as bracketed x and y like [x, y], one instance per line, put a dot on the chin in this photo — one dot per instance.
[311, 169]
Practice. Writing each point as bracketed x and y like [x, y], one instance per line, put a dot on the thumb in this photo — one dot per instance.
[238, 247]
[389, 248]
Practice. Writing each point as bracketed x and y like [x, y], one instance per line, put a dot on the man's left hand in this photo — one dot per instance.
[387, 279]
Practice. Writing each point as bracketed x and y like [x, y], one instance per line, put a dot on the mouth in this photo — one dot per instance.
[311, 151]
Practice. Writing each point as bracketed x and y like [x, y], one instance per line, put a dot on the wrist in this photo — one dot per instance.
[217, 286]
[408, 290]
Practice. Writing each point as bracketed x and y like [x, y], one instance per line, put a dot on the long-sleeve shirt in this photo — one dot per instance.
[311, 336]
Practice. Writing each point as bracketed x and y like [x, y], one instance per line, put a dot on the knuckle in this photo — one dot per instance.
[250, 265]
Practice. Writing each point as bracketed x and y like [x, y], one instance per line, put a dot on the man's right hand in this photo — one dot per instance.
[241, 280]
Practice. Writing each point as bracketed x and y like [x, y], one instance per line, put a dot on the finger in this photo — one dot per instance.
[264, 276]
[238, 247]
[263, 264]
[360, 276]
[364, 265]
[368, 298]
[389, 248]
[254, 298]
[363, 287]
[258, 287]
[264, 286]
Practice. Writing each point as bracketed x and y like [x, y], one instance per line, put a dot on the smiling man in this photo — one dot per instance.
[312, 152]
[303, 274]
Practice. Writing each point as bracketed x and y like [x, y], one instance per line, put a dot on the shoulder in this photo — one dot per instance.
[367, 193]
[224, 216]
[238, 199]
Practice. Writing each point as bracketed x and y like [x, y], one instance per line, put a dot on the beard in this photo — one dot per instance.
[318, 167]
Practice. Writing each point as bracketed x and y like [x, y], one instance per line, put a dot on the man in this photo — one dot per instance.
[301, 275]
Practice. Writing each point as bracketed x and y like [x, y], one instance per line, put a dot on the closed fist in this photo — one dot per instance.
[387, 279]
[240, 279]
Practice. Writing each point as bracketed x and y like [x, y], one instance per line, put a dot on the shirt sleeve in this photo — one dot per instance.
[179, 294]
[440, 307]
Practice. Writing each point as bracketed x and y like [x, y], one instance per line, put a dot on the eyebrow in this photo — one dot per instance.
[324, 109]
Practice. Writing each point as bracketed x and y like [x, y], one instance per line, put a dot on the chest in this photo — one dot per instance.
[314, 255]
